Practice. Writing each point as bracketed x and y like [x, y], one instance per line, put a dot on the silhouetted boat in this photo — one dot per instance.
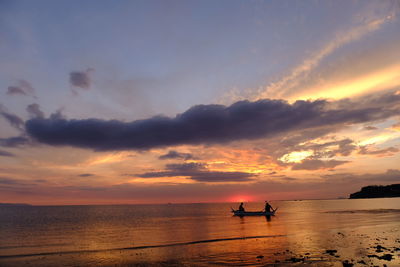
[253, 213]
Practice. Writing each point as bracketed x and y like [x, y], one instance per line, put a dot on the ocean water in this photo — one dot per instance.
[309, 232]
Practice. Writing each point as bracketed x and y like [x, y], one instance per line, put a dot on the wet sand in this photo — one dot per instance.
[365, 246]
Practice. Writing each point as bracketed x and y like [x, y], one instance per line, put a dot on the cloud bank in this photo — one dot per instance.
[345, 183]
[172, 154]
[16, 141]
[211, 124]
[4, 153]
[199, 173]
[315, 164]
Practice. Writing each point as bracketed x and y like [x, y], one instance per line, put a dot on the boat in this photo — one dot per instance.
[253, 213]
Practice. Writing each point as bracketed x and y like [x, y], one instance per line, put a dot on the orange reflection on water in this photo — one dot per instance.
[203, 234]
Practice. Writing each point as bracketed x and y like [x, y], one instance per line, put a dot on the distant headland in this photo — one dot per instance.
[13, 204]
[375, 191]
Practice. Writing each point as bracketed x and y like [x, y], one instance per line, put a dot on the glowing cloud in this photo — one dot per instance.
[396, 127]
[296, 156]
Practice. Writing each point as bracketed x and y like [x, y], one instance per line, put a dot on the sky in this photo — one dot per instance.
[120, 102]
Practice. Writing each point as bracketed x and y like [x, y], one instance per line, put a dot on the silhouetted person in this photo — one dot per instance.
[268, 207]
[241, 207]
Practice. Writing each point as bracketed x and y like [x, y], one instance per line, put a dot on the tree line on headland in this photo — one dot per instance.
[376, 191]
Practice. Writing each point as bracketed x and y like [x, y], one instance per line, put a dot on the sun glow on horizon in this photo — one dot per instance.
[240, 198]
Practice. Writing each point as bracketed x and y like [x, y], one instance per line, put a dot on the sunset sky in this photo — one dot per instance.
[197, 101]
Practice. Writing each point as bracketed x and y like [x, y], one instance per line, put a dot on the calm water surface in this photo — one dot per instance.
[201, 234]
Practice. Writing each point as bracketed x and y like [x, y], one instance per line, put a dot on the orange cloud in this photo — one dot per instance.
[396, 127]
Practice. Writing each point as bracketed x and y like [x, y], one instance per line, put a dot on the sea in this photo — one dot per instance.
[362, 232]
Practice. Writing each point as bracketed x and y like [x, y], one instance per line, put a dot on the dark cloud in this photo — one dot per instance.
[330, 149]
[210, 124]
[316, 164]
[80, 79]
[289, 179]
[15, 141]
[40, 181]
[16, 185]
[172, 154]
[22, 88]
[12, 119]
[58, 115]
[86, 175]
[34, 111]
[298, 140]
[8, 181]
[4, 153]
[326, 147]
[391, 175]
[366, 150]
[214, 176]
[370, 128]
[199, 173]
[184, 167]
[14, 90]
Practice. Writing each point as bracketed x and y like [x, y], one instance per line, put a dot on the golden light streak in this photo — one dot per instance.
[379, 139]
[384, 79]
[109, 158]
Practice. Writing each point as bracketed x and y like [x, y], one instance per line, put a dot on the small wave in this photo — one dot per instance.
[375, 211]
[139, 247]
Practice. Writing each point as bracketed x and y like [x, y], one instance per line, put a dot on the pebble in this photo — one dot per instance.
[346, 263]
[331, 251]
[293, 259]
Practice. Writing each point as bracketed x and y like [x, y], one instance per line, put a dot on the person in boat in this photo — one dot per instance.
[268, 207]
[241, 208]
